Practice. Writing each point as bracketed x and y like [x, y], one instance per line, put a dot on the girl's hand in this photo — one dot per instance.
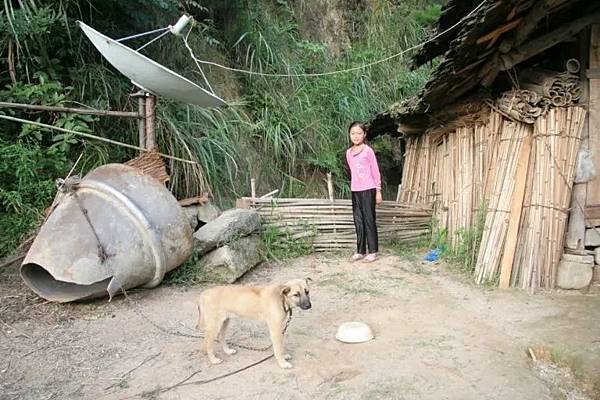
[378, 198]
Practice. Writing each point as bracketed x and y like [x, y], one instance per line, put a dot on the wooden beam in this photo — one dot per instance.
[105, 113]
[592, 212]
[495, 34]
[503, 62]
[516, 206]
[575, 237]
[593, 186]
[576, 228]
[544, 42]
[530, 21]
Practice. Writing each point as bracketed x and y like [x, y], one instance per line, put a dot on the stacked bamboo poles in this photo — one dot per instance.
[416, 176]
[459, 165]
[545, 209]
[498, 204]
[493, 130]
[470, 166]
[329, 225]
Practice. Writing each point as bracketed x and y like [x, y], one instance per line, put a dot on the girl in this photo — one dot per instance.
[366, 192]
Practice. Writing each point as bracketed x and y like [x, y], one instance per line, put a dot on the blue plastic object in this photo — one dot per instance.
[433, 255]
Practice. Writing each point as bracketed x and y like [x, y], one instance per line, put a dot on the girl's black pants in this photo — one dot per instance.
[363, 211]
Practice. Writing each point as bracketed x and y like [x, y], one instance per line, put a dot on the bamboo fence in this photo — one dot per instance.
[328, 223]
[526, 189]
[456, 181]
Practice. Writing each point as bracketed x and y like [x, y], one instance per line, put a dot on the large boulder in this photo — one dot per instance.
[230, 225]
[228, 263]
[592, 237]
[201, 214]
[597, 255]
[579, 258]
[574, 275]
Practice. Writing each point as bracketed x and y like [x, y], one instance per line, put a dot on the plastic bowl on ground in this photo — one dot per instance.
[354, 332]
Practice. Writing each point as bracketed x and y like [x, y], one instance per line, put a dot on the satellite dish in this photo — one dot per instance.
[149, 75]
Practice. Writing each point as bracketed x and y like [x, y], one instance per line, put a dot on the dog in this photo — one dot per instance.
[271, 303]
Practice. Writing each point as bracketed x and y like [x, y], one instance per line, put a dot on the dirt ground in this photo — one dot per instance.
[436, 337]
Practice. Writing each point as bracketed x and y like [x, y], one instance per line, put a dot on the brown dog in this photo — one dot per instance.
[272, 304]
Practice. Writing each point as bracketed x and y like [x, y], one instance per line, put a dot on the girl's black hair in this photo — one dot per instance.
[360, 125]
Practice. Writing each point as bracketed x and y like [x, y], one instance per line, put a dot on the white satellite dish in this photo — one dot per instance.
[149, 75]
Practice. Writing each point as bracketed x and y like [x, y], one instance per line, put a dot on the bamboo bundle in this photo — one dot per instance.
[497, 216]
[556, 143]
[523, 105]
[540, 89]
[561, 88]
[151, 163]
[329, 224]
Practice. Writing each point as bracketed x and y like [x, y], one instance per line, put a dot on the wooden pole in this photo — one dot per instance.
[150, 118]
[593, 186]
[270, 194]
[330, 187]
[515, 213]
[398, 194]
[142, 121]
[106, 113]
[253, 188]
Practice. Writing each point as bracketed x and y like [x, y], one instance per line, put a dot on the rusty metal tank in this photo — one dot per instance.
[134, 232]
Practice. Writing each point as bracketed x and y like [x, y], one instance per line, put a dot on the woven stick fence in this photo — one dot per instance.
[329, 225]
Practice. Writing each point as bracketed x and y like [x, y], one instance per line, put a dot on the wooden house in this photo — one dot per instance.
[506, 134]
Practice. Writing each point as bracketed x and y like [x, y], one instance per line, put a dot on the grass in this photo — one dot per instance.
[409, 250]
[280, 244]
[560, 357]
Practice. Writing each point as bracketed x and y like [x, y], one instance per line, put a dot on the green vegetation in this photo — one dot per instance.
[463, 250]
[285, 132]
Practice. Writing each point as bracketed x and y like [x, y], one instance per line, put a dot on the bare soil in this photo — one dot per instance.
[436, 337]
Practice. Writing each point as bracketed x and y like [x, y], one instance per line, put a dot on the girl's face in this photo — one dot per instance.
[357, 135]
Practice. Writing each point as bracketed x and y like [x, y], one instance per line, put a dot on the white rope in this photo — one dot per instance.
[197, 60]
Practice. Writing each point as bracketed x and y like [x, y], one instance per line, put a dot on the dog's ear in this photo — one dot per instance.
[307, 279]
[285, 290]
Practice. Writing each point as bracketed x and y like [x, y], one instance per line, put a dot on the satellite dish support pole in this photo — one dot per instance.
[150, 122]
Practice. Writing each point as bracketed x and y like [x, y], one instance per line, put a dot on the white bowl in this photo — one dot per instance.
[354, 332]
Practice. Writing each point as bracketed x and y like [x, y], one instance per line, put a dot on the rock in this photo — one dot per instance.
[226, 264]
[205, 213]
[596, 274]
[573, 275]
[583, 259]
[592, 237]
[231, 224]
[597, 255]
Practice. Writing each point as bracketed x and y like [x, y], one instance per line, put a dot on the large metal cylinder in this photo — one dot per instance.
[135, 233]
